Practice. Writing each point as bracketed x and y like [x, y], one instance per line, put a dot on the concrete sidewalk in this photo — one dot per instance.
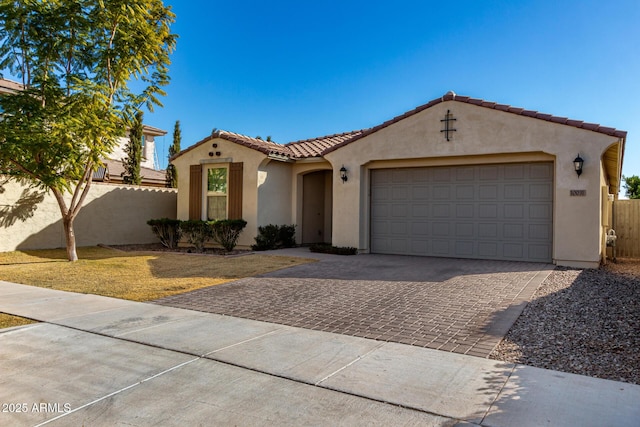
[104, 361]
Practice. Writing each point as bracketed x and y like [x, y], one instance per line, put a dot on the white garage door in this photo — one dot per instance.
[484, 211]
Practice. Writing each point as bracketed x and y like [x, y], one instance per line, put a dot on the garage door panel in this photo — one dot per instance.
[464, 192]
[441, 175]
[513, 251]
[542, 171]
[398, 229]
[464, 211]
[399, 211]
[514, 212]
[419, 229]
[488, 231]
[465, 230]
[465, 173]
[419, 247]
[514, 172]
[514, 191]
[420, 192]
[463, 249]
[513, 231]
[440, 229]
[419, 211]
[441, 211]
[487, 249]
[480, 211]
[539, 252]
[441, 192]
[441, 248]
[539, 232]
[488, 211]
[540, 191]
[488, 192]
[400, 193]
[540, 211]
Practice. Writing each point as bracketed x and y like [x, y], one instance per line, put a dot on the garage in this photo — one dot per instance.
[498, 211]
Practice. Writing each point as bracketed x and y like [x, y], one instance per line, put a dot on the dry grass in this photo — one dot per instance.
[136, 276]
[8, 321]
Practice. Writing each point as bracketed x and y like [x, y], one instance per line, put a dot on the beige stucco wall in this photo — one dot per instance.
[111, 214]
[230, 152]
[482, 136]
[274, 193]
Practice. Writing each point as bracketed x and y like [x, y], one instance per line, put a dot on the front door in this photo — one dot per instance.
[316, 207]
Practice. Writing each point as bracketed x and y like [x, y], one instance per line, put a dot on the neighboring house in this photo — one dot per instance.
[456, 177]
[112, 170]
[149, 134]
[7, 86]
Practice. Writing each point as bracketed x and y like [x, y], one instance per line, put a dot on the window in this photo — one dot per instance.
[216, 193]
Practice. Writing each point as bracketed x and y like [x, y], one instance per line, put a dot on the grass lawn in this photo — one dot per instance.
[136, 276]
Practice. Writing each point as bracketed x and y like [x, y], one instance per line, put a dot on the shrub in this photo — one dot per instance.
[167, 230]
[226, 232]
[326, 248]
[197, 232]
[275, 237]
[287, 236]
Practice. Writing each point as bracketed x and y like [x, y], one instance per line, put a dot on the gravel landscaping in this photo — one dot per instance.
[581, 321]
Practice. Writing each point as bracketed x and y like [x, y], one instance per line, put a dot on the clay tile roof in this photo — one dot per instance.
[261, 145]
[317, 146]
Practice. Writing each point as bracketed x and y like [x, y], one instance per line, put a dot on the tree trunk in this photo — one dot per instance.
[70, 238]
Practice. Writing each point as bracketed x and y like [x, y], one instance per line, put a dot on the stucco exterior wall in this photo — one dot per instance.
[274, 193]
[111, 214]
[229, 152]
[482, 136]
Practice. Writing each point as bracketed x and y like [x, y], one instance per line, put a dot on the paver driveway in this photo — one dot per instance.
[463, 306]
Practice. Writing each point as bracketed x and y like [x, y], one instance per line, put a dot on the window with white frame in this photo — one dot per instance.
[217, 193]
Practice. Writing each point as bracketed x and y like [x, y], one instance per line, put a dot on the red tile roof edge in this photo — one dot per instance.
[313, 147]
[263, 146]
[450, 96]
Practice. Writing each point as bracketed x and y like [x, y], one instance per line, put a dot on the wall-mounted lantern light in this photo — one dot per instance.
[577, 164]
[343, 174]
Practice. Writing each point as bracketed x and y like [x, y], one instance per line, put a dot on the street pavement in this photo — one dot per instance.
[101, 361]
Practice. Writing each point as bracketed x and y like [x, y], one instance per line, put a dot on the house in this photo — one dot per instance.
[456, 177]
[8, 86]
[112, 169]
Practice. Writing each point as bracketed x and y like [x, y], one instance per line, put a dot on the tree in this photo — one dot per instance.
[76, 59]
[632, 186]
[134, 152]
[172, 173]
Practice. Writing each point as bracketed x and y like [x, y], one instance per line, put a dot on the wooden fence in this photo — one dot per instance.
[626, 222]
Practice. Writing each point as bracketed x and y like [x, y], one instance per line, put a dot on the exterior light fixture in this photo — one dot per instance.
[343, 174]
[577, 164]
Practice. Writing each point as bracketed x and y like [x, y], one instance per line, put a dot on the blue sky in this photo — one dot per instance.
[295, 70]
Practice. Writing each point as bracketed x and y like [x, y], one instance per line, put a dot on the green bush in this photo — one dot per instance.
[326, 248]
[167, 230]
[287, 236]
[275, 237]
[197, 232]
[226, 232]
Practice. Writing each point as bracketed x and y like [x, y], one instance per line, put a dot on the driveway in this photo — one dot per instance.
[457, 305]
